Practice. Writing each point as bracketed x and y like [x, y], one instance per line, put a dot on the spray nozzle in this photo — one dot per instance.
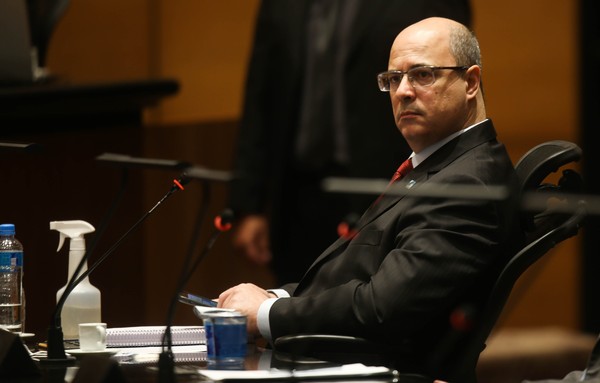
[72, 229]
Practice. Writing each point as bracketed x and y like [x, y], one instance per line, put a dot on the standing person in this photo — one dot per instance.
[414, 259]
[310, 112]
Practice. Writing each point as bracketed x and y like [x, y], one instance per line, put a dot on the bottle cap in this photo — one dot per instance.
[7, 229]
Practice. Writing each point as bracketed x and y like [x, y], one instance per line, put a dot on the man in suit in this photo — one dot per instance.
[414, 258]
[310, 112]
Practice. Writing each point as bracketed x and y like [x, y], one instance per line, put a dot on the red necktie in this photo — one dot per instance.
[403, 170]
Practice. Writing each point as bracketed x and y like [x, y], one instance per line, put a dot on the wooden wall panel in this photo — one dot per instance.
[530, 60]
[101, 41]
[204, 44]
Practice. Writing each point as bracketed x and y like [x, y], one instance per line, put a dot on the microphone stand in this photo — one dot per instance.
[56, 350]
[166, 361]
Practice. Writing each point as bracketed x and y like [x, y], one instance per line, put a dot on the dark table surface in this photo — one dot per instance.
[103, 369]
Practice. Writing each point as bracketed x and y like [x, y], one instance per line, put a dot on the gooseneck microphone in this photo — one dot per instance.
[177, 185]
[223, 222]
[56, 349]
[166, 362]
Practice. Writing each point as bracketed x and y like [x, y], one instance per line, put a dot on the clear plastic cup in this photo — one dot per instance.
[226, 337]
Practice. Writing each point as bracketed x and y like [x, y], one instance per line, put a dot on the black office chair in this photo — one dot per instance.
[458, 351]
[544, 229]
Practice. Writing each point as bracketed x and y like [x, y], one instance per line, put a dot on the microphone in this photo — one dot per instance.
[347, 228]
[224, 221]
[166, 361]
[178, 184]
[56, 350]
[126, 162]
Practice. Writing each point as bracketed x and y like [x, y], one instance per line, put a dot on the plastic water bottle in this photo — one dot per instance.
[12, 297]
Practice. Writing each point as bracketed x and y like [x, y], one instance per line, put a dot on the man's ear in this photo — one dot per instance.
[473, 77]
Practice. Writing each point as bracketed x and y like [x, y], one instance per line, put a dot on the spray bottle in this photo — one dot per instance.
[83, 304]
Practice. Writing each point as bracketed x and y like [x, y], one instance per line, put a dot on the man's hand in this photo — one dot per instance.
[245, 298]
[251, 238]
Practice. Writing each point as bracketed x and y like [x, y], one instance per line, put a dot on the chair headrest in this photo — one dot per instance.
[544, 159]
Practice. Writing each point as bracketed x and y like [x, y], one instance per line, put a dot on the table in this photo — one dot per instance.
[97, 369]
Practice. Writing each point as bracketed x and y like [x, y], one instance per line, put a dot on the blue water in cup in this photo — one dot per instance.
[226, 337]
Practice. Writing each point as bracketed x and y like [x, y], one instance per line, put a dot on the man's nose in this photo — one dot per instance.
[405, 88]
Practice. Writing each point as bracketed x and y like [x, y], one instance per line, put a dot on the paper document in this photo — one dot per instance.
[356, 370]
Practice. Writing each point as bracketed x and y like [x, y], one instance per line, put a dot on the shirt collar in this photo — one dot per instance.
[417, 158]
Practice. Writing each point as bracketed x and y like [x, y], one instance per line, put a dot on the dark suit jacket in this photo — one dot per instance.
[414, 258]
[267, 179]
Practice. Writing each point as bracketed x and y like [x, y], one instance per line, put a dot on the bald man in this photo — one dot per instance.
[414, 259]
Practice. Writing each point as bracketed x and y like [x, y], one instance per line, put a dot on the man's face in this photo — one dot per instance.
[426, 114]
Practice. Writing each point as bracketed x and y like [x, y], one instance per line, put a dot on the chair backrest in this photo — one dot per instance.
[460, 350]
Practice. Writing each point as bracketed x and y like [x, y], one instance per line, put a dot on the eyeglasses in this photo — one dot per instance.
[423, 75]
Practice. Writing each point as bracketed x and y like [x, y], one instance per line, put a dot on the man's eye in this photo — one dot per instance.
[395, 79]
[421, 74]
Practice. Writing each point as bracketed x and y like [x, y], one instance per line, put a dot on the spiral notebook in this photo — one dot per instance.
[151, 355]
[140, 336]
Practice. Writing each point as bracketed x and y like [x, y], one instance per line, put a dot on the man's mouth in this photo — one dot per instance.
[409, 114]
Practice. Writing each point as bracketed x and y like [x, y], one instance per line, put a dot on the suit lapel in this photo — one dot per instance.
[433, 164]
[387, 201]
[378, 208]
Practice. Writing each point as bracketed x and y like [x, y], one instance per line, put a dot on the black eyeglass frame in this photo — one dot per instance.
[384, 85]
